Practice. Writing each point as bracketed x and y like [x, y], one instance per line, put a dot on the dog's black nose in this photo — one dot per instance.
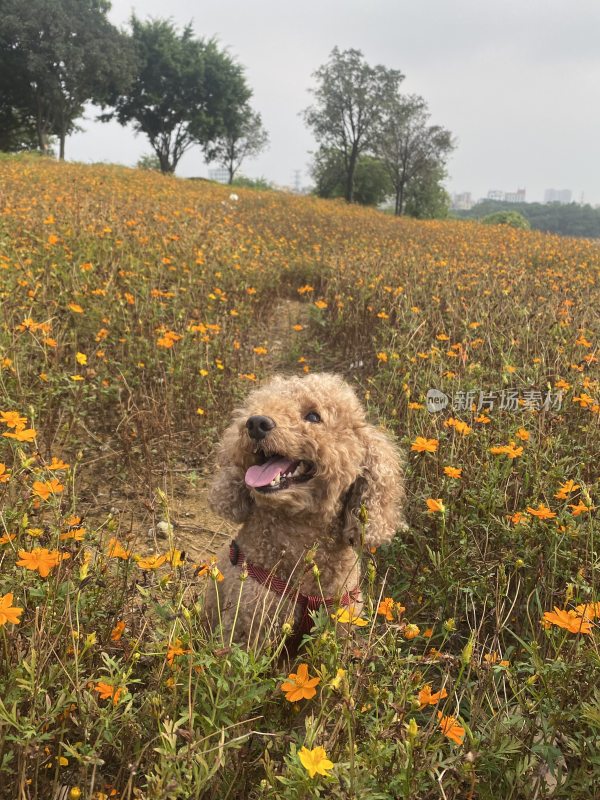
[258, 426]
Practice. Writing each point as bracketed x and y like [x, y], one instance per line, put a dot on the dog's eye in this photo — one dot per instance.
[312, 416]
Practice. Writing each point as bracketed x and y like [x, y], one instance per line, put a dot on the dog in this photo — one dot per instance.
[311, 482]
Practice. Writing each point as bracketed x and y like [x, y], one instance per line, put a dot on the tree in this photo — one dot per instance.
[17, 132]
[351, 98]
[182, 90]
[426, 197]
[55, 56]
[511, 218]
[243, 137]
[411, 150]
[371, 181]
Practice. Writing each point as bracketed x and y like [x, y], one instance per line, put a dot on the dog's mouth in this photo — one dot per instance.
[276, 473]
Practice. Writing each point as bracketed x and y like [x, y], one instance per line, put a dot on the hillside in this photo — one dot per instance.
[137, 310]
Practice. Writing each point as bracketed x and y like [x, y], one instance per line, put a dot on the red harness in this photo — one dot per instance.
[307, 602]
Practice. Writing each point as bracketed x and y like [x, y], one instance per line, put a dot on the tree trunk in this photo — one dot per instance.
[61, 153]
[397, 206]
[350, 176]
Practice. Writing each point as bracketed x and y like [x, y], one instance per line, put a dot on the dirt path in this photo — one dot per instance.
[195, 528]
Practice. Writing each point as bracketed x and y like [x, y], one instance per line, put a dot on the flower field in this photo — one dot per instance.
[136, 310]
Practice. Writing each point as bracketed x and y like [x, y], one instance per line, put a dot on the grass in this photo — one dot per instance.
[137, 309]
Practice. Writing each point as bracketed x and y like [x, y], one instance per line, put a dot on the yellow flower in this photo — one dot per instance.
[315, 761]
[81, 358]
[348, 615]
[8, 612]
[299, 686]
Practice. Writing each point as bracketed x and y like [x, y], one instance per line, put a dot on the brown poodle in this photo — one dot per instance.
[311, 481]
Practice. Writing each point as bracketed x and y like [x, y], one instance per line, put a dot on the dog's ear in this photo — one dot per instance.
[228, 495]
[374, 504]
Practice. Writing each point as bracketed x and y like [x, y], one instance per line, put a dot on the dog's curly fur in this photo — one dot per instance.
[355, 464]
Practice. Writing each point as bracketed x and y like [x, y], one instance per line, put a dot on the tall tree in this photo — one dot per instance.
[243, 137]
[55, 56]
[412, 150]
[351, 99]
[182, 90]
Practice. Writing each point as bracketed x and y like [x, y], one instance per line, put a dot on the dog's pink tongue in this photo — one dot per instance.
[263, 475]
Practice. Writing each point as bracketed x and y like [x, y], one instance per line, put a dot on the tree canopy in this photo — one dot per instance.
[243, 136]
[350, 102]
[55, 56]
[183, 90]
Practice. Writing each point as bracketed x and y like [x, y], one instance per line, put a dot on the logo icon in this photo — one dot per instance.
[436, 401]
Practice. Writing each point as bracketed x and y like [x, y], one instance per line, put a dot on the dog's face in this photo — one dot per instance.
[299, 442]
[303, 446]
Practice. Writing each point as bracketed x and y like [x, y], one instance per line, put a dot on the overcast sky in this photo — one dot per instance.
[517, 82]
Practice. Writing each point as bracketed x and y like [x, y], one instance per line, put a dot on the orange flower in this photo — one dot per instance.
[422, 445]
[117, 631]
[434, 506]
[151, 562]
[77, 534]
[453, 472]
[451, 729]
[41, 560]
[22, 435]
[116, 549]
[299, 686]
[569, 620]
[565, 489]
[8, 612]
[385, 608]
[175, 649]
[4, 475]
[411, 632]
[7, 537]
[517, 517]
[12, 419]
[523, 435]
[105, 690]
[589, 610]
[44, 489]
[580, 508]
[541, 512]
[509, 450]
[429, 698]
[57, 463]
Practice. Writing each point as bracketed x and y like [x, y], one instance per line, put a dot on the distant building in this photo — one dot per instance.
[220, 175]
[462, 201]
[507, 197]
[562, 196]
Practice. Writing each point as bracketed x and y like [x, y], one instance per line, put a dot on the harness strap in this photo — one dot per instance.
[307, 602]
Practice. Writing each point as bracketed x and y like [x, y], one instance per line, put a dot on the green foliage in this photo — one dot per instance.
[55, 57]
[262, 184]
[569, 219]
[183, 90]
[371, 180]
[149, 161]
[426, 197]
[243, 137]
[512, 218]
